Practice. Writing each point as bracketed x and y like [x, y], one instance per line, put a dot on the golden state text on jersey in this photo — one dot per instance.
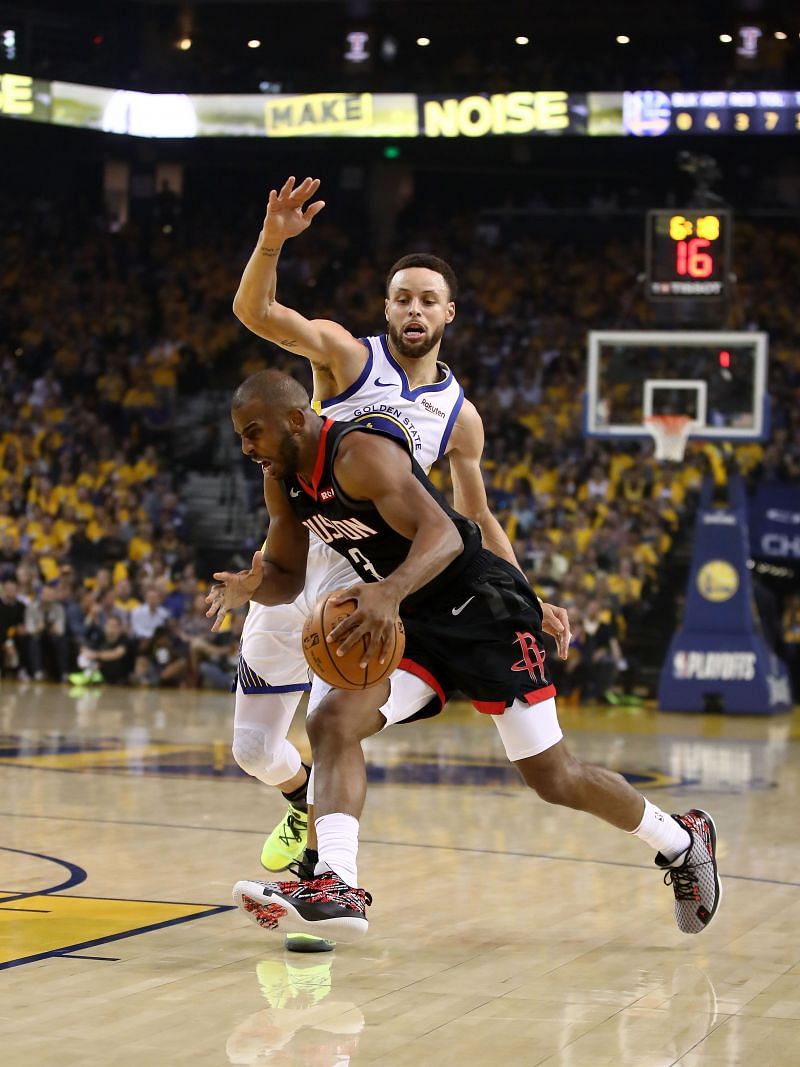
[381, 398]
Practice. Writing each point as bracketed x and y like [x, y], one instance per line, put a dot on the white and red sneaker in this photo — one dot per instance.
[325, 906]
[693, 875]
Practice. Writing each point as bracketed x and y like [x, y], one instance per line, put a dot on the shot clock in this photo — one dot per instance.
[687, 254]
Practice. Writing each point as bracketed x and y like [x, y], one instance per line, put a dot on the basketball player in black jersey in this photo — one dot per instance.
[420, 304]
[472, 624]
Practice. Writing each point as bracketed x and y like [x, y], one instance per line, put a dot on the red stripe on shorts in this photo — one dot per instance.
[536, 696]
[497, 707]
[489, 707]
[426, 676]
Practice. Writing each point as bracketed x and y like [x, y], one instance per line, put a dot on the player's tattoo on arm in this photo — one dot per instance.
[287, 342]
[270, 251]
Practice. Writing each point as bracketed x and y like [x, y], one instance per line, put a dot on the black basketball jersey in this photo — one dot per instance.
[355, 528]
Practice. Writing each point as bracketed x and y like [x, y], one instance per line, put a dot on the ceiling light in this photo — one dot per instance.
[185, 44]
[423, 42]
[780, 35]
[725, 38]
[254, 43]
[622, 38]
[522, 40]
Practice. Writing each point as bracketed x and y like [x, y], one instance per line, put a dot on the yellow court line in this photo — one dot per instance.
[99, 757]
[38, 926]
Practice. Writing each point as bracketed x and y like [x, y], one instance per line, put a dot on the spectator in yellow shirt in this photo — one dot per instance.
[141, 544]
[140, 396]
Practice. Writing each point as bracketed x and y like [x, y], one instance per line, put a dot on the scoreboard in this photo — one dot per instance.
[687, 254]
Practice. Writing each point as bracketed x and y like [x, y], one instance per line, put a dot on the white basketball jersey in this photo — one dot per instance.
[381, 397]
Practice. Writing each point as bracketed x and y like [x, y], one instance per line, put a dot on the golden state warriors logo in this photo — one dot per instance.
[717, 580]
[392, 421]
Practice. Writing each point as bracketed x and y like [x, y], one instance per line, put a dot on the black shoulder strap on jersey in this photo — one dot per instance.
[360, 505]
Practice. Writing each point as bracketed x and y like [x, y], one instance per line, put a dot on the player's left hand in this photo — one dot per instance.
[374, 618]
[555, 621]
[234, 590]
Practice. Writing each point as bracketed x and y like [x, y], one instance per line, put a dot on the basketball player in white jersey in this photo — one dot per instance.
[392, 382]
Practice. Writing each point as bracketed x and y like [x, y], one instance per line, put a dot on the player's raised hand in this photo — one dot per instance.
[234, 590]
[287, 215]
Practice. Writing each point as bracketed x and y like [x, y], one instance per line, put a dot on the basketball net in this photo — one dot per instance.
[670, 433]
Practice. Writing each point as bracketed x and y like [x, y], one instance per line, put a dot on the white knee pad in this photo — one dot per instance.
[260, 725]
[271, 766]
[248, 750]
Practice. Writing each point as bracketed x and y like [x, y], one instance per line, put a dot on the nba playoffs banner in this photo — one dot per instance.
[520, 113]
[718, 658]
[775, 522]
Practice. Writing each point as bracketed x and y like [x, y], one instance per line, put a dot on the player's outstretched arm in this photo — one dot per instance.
[320, 340]
[469, 498]
[376, 469]
[277, 575]
[469, 491]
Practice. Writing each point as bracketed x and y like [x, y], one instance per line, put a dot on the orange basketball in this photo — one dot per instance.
[345, 672]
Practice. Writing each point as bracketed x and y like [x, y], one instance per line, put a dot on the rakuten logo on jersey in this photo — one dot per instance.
[432, 408]
[714, 666]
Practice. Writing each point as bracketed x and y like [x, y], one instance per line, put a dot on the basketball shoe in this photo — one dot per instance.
[287, 842]
[304, 869]
[325, 906]
[693, 875]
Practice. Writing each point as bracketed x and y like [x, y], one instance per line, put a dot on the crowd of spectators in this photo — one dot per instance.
[98, 572]
[103, 334]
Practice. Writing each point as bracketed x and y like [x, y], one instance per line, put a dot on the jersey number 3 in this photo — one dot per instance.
[360, 562]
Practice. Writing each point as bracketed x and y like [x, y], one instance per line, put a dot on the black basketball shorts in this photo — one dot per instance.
[481, 636]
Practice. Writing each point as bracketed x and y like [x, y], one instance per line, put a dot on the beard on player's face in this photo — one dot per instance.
[289, 455]
[411, 349]
[285, 463]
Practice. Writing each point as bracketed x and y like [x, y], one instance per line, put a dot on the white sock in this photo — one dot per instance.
[337, 846]
[662, 832]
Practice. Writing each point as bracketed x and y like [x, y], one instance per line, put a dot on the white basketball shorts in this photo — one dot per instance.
[271, 648]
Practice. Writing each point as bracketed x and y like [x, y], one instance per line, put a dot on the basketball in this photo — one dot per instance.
[345, 672]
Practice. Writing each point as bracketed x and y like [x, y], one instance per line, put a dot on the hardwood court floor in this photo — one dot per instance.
[503, 931]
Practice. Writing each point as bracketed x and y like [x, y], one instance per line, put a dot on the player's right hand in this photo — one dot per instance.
[285, 216]
[374, 618]
[234, 590]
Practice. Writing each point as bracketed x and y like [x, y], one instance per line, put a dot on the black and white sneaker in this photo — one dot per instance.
[325, 906]
[693, 875]
[304, 870]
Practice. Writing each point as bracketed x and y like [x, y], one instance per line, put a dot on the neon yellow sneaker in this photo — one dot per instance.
[85, 677]
[287, 842]
[308, 943]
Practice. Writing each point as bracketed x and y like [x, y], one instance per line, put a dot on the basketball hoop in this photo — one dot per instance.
[670, 433]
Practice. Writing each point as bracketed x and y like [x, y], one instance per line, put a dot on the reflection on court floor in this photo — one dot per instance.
[502, 929]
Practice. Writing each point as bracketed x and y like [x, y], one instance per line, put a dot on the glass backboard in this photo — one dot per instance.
[718, 379]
